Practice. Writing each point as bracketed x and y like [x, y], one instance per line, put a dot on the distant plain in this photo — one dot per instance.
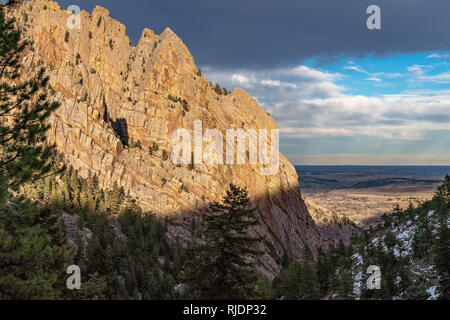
[364, 193]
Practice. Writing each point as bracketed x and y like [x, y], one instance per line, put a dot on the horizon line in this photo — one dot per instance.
[374, 165]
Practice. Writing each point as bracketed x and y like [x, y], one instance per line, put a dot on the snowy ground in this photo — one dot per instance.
[423, 272]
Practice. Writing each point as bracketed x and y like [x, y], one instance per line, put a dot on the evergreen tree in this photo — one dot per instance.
[309, 288]
[441, 246]
[264, 289]
[24, 109]
[442, 259]
[416, 292]
[323, 273]
[343, 285]
[222, 265]
[33, 254]
[32, 247]
[287, 284]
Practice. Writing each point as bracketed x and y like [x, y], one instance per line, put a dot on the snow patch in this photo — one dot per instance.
[358, 258]
[357, 284]
[432, 292]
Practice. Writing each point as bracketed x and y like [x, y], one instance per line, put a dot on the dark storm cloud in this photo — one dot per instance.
[254, 33]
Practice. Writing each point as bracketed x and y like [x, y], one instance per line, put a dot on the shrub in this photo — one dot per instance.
[184, 188]
[153, 148]
[217, 89]
[174, 98]
[135, 144]
[185, 105]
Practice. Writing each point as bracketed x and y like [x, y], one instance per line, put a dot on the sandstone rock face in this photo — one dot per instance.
[106, 87]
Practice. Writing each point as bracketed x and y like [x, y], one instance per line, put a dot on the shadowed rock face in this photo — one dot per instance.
[105, 84]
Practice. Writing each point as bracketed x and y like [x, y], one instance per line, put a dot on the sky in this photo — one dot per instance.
[341, 93]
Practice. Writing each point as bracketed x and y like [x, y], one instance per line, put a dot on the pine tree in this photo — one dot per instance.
[264, 289]
[442, 259]
[441, 246]
[24, 109]
[287, 284]
[309, 288]
[223, 263]
[33, 253]
[113, 198]
[343, 284]
[323, 273]
[416, 292]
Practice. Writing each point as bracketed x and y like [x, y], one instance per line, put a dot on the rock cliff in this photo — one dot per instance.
[120, 105]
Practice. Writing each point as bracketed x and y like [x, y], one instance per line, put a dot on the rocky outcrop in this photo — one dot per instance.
[333, 228]
[120, 106]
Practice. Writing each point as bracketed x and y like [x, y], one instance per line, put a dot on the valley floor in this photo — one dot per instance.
[364, 193]
[365, 206]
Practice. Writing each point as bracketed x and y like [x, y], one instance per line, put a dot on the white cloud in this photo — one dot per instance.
[307, 103]
[373, 79]
[356, 68]
[438, 56]
[291, 83]
[373, 76]
[277, 83]
[403, 117]
[309, 73]
[271, 83]
[415, 69]
[241, 79]
[438, 78]
[420, 73]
